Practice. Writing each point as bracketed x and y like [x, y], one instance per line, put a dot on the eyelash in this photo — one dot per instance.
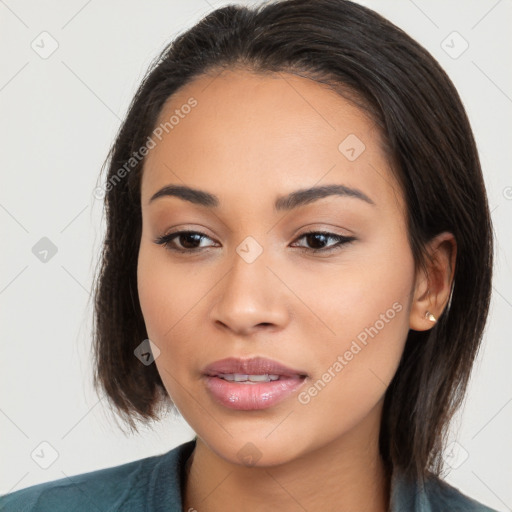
[341, 241]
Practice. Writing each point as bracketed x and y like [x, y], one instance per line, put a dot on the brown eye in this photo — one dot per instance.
[317, 241]
[188, 241]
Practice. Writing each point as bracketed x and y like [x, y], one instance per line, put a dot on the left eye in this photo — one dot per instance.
[189, 239]
[316, 238]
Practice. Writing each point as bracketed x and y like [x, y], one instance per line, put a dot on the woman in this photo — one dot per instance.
[297, 220]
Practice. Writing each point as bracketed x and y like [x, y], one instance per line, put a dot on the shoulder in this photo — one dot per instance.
[129, 486]
[87, 491]
[443, 496]
[435, 495]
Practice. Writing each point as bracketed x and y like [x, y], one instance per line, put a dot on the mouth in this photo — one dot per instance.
[251, 384]
[247, 379]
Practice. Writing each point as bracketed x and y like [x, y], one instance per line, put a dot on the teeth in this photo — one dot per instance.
[240, 377]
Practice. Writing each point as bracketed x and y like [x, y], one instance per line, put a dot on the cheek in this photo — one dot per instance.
[167, 292]
[167, 295]
[365, 304]
[354, 368]
[367, 289]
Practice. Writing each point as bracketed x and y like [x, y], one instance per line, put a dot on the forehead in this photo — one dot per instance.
[250, 133]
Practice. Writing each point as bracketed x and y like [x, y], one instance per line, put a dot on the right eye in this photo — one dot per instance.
[187, 239]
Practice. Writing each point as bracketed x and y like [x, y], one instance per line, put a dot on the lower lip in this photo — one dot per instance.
[249, 397]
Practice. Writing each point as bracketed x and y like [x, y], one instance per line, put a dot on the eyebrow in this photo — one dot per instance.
[288, 202]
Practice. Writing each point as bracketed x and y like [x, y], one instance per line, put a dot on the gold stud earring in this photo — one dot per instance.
[430, 316]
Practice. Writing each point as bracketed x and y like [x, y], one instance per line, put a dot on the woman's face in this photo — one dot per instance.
[253, 285]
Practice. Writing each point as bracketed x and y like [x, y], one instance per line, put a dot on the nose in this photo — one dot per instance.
[250, 298]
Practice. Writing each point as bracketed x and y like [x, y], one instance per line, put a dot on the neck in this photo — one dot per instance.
[345, 475]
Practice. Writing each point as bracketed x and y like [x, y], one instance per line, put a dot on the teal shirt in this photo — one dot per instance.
[154, 484]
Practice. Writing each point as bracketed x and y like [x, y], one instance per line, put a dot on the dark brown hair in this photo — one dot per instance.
[430, 143]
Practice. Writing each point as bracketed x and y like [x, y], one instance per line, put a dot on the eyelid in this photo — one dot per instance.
[323, 227]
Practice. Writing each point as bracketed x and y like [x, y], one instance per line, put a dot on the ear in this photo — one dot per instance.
[433, 286]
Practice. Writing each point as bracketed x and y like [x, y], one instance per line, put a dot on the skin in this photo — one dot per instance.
[250, 139]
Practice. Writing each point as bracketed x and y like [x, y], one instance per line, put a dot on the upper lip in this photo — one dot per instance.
[252, 366]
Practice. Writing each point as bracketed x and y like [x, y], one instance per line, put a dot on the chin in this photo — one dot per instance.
[256, 451]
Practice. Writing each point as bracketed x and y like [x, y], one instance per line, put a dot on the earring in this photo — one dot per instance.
[430, 316]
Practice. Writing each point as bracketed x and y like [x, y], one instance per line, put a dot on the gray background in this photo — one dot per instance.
[59, 114]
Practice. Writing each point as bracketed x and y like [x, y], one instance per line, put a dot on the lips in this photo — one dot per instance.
[253, 366]
[250, 384]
